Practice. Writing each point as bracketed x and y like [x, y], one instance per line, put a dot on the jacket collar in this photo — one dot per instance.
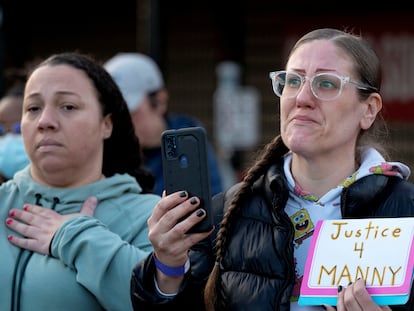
[361, 197]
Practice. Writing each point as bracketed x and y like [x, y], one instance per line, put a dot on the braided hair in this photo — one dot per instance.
[270, 155]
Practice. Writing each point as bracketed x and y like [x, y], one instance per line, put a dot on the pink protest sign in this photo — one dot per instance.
[378, 250]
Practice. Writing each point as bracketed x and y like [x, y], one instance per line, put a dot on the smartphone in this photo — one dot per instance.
[185, 167]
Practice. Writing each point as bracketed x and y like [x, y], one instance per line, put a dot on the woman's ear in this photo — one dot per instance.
[107, 126]
[373, 107]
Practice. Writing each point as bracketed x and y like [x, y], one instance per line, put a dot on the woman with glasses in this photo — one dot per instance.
[327, 163]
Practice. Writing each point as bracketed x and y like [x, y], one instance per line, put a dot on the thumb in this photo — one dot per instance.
[89, 206]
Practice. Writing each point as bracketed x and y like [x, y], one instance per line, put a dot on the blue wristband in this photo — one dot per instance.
[172, 271]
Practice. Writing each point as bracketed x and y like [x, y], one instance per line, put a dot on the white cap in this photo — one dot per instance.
[136, 76]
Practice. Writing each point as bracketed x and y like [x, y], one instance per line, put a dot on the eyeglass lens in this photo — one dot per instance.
[324, 86]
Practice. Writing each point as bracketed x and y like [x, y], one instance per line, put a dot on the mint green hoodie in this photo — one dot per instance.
[92, 258]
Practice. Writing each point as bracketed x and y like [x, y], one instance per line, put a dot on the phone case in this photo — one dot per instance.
[185, 167]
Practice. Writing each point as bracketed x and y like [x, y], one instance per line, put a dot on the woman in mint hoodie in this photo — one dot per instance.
[81, 144]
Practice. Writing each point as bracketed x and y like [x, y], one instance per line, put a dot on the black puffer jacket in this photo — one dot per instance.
[257, 272]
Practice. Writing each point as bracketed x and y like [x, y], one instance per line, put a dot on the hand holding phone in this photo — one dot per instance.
[185, 167]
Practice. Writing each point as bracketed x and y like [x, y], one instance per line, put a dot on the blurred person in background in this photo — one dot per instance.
[142, 85]
[13, 156]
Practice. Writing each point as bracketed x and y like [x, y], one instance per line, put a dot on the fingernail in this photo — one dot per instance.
[11, 213]
[193, 201]
[9, 221]
[323, 306]
[10, 237]
[339, 288]
[183, 194]
[350, 283]
[200, 212]
[25, 207]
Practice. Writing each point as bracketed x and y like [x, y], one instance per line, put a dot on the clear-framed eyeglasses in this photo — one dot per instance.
[324, 86]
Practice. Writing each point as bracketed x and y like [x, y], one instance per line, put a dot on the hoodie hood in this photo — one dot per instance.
[374, 163]
[65, 200]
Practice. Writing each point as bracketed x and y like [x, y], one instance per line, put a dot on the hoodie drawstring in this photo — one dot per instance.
[38, 196]
[55, 202]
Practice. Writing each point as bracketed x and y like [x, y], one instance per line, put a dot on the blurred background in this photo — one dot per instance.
[203, 46]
